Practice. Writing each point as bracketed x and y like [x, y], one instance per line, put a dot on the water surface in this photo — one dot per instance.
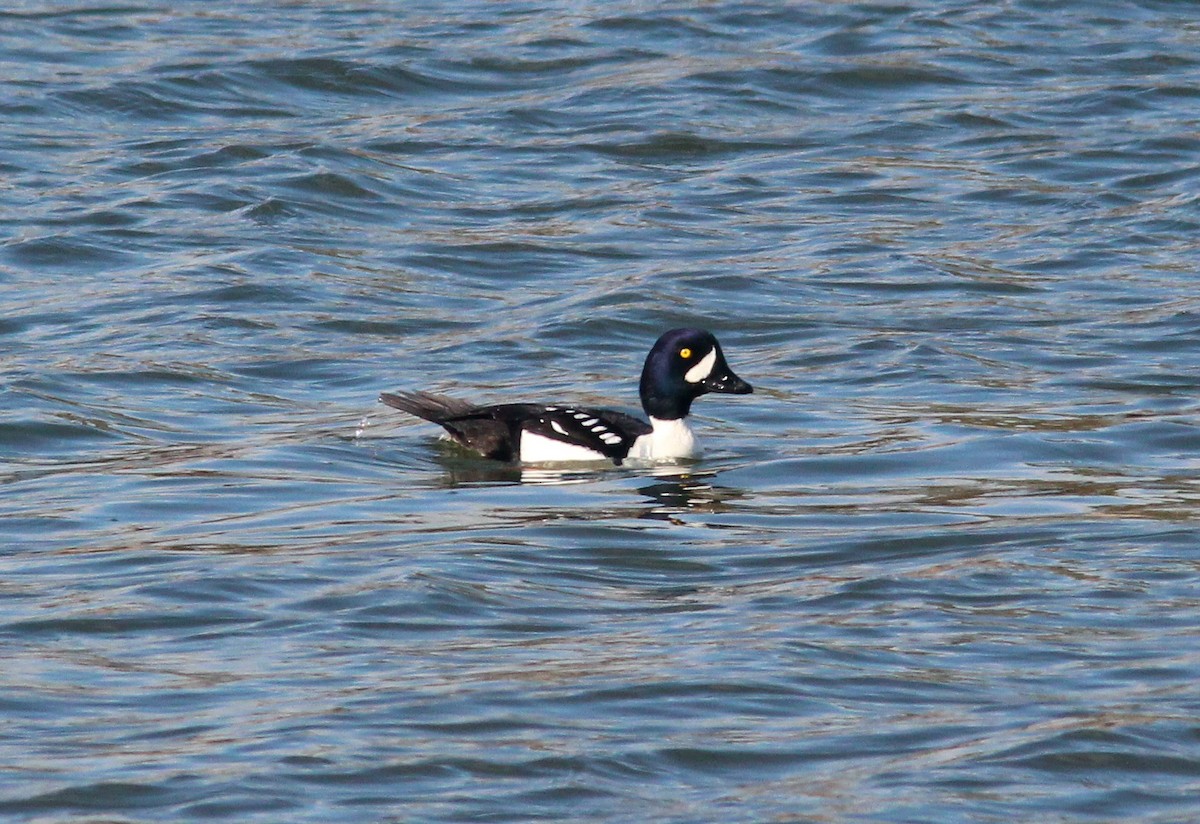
[940, 567]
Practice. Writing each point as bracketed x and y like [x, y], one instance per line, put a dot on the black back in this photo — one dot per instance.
[495, 431]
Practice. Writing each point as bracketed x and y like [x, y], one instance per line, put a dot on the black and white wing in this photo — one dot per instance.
[497, 431]
[604, 431]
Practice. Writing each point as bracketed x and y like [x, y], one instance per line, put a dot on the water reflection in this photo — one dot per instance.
[681, 489]
[673, 488]
[463, 469]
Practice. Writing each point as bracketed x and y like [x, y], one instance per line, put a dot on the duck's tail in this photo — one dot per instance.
[427, 405]
[466, 423]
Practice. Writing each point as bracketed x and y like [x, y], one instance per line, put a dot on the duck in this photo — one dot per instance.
[682, 365]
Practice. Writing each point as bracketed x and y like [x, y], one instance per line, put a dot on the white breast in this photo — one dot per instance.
[670, 439]
[540, 449]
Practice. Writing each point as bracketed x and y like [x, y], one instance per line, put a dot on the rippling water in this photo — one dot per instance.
[941, 566]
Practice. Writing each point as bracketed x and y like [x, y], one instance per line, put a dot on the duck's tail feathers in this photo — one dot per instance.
[468, 425]
[427, 405]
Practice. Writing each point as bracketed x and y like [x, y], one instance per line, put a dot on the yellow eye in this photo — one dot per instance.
[685, 352]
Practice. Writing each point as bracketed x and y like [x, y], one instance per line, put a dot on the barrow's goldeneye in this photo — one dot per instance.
[683, 365]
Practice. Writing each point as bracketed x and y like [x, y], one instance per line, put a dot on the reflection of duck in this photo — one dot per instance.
[682, 365]
[678, 493]
[462, 469]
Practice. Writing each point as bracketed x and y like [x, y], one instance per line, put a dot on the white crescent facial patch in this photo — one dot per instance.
[702, 369]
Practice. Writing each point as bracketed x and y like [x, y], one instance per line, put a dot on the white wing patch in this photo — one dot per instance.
[537, 448]
[540, 449]
[702, 369]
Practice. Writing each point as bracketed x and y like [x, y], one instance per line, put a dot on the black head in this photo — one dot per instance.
[683, 365]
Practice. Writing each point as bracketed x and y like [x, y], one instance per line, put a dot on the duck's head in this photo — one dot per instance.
[683, 365]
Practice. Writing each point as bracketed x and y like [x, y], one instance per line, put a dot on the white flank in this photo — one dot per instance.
[670, 439]
[702, 369]
[540, 449]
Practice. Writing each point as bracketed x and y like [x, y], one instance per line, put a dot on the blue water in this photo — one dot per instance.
[941, 566]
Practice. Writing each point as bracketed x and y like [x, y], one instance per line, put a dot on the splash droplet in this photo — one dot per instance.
[362, 427]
